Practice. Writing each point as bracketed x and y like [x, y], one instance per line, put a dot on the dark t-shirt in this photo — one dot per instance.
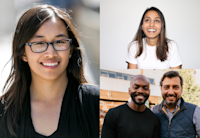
[123, 122]
[79, 117]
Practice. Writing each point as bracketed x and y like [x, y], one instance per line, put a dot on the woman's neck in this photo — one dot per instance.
[151, 41]
[48, 91]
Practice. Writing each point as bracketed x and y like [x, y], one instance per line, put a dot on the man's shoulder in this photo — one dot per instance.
[156, 108]
[190, 104]
[118, 109]
[151, 114]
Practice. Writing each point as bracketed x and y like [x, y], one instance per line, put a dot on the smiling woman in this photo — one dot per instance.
[150, 48]
[46, 95]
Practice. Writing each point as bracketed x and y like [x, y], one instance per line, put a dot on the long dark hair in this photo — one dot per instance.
[162, 46]
[19, 79]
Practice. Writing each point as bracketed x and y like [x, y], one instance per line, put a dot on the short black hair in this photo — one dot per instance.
[171, 74]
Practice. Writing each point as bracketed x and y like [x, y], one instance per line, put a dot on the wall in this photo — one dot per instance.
[119, 21]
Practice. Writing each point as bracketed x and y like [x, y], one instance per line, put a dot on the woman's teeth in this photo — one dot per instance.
[50, 64]
[151, 30]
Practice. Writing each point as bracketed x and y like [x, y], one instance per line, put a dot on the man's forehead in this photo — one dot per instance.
[171, 81]
[139, 79]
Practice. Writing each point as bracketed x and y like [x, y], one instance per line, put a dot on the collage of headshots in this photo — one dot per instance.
[99, 69]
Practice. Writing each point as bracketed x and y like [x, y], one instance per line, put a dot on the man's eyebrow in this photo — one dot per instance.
[139, 85]
[145, 85]
[166, 85]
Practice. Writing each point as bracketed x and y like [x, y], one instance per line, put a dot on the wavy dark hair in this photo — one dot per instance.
[19, 79]
[171, 74]
[162, 43]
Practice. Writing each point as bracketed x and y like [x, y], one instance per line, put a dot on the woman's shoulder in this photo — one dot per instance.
[133, 47]
[89, 97]
[172, 45]
[89, 89]
[133, 43]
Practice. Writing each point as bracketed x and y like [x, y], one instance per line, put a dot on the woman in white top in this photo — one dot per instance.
[150, 48]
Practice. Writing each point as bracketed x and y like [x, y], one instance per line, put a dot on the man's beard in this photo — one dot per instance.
[133, 95]
[171, 103]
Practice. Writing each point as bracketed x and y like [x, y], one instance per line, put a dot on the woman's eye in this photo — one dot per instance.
[59, 41]
[40, 43]
[157, 21]
[147, 20]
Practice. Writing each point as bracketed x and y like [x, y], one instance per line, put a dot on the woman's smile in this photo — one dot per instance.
[151, 24]
[51, 63]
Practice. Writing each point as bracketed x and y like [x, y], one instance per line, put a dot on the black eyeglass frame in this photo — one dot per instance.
[48, 43]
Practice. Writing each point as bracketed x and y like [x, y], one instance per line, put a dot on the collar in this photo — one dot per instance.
[177, 106]
[182, 106]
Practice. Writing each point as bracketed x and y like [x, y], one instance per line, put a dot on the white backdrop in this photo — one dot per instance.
[119, 21]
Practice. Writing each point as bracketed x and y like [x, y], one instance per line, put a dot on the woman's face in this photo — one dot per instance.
[51, 64]
[151, 24]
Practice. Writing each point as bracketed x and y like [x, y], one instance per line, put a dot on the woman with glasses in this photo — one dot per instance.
[46, 95]
[150, 48]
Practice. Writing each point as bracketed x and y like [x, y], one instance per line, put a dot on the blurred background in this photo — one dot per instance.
[86, 17]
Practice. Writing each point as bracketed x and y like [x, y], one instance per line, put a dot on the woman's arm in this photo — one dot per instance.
[132, 66]
[178, 67]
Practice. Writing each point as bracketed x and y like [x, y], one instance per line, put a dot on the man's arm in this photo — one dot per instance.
[196, 120]
[109, 125]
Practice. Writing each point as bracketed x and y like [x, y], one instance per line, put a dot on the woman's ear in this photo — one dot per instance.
[24, 58]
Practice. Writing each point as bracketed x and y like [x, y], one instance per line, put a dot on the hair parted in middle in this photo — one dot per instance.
[171, 74]
[19, 80]
[162, 43]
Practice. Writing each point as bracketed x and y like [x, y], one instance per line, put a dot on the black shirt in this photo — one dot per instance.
[123, 122]
[79, 117]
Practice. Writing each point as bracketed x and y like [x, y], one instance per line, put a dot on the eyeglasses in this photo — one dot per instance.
[58, 45]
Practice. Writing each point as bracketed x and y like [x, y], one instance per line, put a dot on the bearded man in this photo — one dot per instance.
[178, 118]
[132, 119]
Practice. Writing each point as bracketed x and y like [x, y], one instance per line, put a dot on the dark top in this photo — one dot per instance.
[123, 122]
[79, 117]
[181, 124]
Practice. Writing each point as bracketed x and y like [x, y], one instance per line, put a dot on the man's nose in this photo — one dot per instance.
[170, 92]
[141, 89]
